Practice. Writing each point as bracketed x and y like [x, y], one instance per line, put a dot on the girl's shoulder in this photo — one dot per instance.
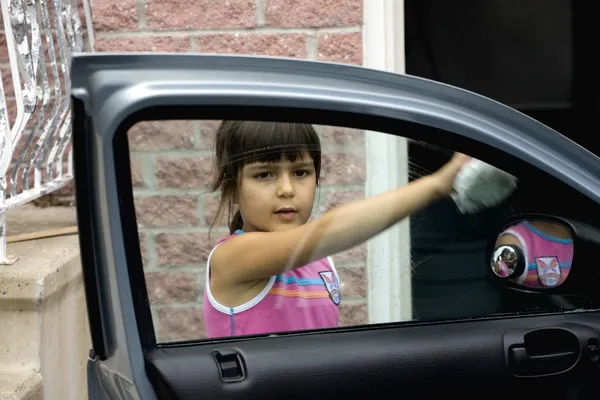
[224, 238]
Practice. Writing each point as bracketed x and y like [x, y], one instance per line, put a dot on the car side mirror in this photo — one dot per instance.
[546, 254]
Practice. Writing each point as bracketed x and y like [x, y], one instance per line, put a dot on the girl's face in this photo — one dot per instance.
[276, 196]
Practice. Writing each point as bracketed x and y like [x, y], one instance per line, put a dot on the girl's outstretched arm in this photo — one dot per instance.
[258, 255]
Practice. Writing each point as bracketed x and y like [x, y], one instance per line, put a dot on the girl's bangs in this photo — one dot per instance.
[274, 142]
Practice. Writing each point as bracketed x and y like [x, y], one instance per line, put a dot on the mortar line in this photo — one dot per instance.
[151, 253]
[312, 47]
[141, 12]
[260, 13]
[148, 170]
[207, 32]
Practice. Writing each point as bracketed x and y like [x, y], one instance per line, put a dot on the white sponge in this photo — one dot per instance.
[479, 185]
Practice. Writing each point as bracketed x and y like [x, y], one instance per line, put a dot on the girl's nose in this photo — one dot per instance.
[285, 188]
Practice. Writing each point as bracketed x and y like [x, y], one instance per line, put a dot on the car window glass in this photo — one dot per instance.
[442, 274]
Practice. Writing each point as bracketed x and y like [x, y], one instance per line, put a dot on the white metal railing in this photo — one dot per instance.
[35, 129]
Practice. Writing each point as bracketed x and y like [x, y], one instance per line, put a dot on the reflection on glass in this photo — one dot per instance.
[507, 261]
[534, 254]
[442, 276]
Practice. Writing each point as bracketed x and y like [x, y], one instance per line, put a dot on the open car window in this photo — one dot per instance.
[438, 268]
[144, 163]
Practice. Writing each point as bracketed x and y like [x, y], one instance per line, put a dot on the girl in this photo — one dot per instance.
[501, 267]
[548, 251]
[274, 271]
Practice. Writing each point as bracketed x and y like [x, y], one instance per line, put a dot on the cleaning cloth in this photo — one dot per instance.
[479, 185]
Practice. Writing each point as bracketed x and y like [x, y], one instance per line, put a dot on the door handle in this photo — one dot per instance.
[543, 364]
[551, 351]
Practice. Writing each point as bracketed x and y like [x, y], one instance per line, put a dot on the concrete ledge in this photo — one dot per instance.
[42, 311]
[20, 385]
[44, 271]
[37, 273]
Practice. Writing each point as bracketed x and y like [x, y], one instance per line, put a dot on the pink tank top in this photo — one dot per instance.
[301, 299]
[548, 258]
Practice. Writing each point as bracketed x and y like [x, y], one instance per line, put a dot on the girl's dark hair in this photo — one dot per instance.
[238, 143]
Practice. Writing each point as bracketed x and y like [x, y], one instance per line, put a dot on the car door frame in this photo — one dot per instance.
[111, 92]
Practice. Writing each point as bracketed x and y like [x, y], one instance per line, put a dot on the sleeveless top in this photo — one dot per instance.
[304, 298]
[548, 258]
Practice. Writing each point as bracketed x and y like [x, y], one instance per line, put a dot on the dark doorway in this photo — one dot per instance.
[534, 55]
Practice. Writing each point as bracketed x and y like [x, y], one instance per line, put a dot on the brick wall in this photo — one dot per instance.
[171, 160]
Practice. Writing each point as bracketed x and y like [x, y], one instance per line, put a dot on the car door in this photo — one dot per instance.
[389, 353]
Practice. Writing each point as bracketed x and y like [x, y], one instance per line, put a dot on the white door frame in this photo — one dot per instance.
[388, 259]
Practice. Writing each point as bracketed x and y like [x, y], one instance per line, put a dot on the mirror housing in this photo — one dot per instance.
[545, 254]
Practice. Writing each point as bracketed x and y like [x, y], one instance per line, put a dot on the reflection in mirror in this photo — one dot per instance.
[508, 261]
[430, 266]
[534, 254]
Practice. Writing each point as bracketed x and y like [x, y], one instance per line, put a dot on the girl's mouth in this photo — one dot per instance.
[286, 213]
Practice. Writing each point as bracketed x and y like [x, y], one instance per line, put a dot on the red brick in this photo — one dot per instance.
[200, 14]
[337, 198]
[114, 15]
[7, 82]
[208, 130]
[68, 148]
[353, 314]
[313, 13]
[183, 172]
[357, 254]
[22, 147]
[180, 323]
[11, 106]
[18, 184]
[341, 47]
[3, 49]
[271, 44]
[165, 211]
[67, 190]
[176, 249]
[52, 15]
[342, 169]
[161, 135]
[152, 44]
[211, 204]
[172, 287]
[81, 10]
[337, 135]
[353, 281]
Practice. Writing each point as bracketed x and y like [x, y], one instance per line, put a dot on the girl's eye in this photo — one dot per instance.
[301, 173]
[263, 175]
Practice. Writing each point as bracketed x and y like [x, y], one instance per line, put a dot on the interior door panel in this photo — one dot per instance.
[476, 357]
[460, 358]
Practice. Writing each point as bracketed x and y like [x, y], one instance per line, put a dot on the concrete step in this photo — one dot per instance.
[42, 310]
[20, 385]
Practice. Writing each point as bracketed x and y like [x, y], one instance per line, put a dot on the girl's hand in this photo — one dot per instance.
[444, 177]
